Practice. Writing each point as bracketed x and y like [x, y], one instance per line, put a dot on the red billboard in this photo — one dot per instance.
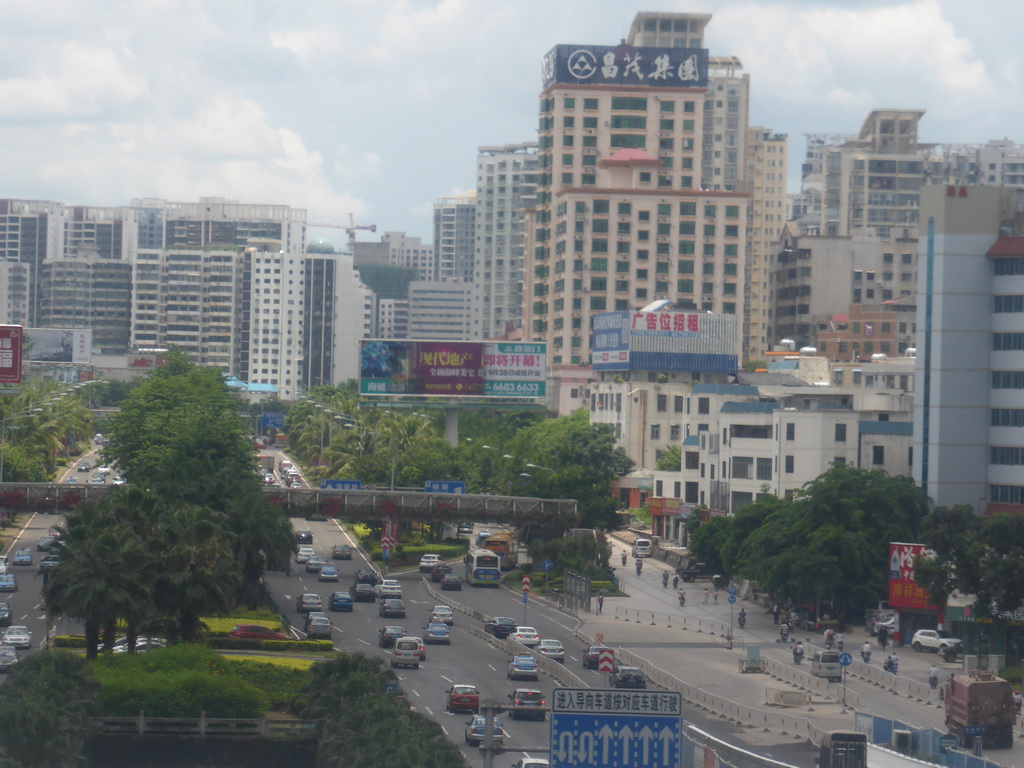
[11, 343]
[903, 590]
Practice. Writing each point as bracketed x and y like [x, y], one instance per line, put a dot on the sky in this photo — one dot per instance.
[374, 108]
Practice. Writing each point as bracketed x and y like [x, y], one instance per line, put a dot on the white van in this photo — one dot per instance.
[642, 548]
[406, 653]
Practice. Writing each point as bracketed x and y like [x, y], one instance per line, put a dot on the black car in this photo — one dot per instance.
[304, 537]
[627, 677]
[6, 615]
[367, 576]
[341, 552]
[386, 636]
[45, 544]
[593, 654]
[500, 626]
[438, 571]
[392, 608]
[451, 581]
[363, 593]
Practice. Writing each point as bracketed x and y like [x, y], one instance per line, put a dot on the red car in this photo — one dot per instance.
[463, 698]
[256, 632]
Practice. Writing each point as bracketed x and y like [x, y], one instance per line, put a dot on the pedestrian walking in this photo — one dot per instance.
[600, 603]
[705, 595]
[1017, 700]
[716, 596]
[883, 637]
[775, 613]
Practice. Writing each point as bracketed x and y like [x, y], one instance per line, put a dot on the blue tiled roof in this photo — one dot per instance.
[886, 427]
[261, 388]
[740, 390]
[691, 441]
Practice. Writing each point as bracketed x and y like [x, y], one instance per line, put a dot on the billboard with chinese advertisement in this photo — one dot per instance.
[665, 341]
[11, 343]
[58, 345]
[453, 368]
[903, 590]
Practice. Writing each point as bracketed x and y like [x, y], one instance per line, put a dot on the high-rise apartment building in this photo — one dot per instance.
[969, 398]
[734, 157]
[454, 238]
[621, 219]
[442, 310]
[506, 184]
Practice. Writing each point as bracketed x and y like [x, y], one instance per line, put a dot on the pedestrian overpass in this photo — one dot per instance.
[361, 506]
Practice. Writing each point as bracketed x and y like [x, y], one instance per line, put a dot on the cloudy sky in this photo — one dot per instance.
[376, 107]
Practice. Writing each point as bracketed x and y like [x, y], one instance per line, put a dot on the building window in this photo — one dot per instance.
[674, 432]
[878, 455]
[742, 467]
[791, 431]
[655, 431]
[703, 405]
[840, 433]
[789, 465]
[764, 469]
[677, 404]
[662, 402]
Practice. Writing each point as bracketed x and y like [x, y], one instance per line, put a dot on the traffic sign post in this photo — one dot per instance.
[845, 660]
[615, 729]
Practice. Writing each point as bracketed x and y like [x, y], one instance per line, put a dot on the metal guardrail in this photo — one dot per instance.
[207, 726]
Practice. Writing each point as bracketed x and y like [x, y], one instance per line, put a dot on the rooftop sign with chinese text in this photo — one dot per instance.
[904, 592]
[626, 65]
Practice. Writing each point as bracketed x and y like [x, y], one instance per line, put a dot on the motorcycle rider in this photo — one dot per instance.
[830, 638]
[623, 558]
[865, 652]
[798, 652]
[784, 631]
[742, 619]
[840, 641]
[675, 581]
[639, 566]
[933, 676]
[682, 598]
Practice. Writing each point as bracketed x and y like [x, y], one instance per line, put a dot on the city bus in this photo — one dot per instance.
[483, 568]
[504, 546]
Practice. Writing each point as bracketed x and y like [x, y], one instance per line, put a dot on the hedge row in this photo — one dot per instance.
[228, 643]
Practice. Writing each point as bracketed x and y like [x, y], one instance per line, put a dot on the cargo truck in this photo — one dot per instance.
[266, 463]
[979, 703]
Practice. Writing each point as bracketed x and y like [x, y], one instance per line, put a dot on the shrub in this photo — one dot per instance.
[248, 644]
[69, 641]
[180, 681]
[220, 627]
[1011, 674]
[281, 685]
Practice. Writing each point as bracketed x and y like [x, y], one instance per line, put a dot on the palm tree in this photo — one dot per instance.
[262, 537]
[199, 574]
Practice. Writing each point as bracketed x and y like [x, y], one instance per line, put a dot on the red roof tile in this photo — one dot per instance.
[1007, 246]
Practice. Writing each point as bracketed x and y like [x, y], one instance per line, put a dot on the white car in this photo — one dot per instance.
[443, 613]
[3, 564]
[141, 644]
[526, 635]
[18, 636]
[935, 640]
[427, 563]
[552, 649]
[387, 589]
[304, 554]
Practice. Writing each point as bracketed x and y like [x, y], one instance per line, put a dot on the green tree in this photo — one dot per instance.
[708, 543]
[828, 541]
[581, 461]
[671, 459]
[46, 710]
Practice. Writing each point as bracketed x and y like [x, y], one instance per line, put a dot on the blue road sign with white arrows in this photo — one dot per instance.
[845, 659]
[732, 598]
[615, 728]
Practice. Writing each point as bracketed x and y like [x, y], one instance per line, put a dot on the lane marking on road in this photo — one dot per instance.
[364, 642]
[21, 533]
[428, 711]
[417, 693]
[493, 667]
[447, 679]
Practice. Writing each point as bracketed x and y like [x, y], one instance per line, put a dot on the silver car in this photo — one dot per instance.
[18, 636]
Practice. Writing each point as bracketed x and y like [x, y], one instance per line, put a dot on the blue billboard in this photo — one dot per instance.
[626, 65]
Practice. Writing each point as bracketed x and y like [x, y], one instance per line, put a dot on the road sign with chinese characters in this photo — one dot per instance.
[615, 728]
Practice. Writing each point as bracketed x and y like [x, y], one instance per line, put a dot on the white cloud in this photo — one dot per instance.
[81, 81]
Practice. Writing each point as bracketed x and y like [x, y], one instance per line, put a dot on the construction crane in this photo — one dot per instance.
[350, 230]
